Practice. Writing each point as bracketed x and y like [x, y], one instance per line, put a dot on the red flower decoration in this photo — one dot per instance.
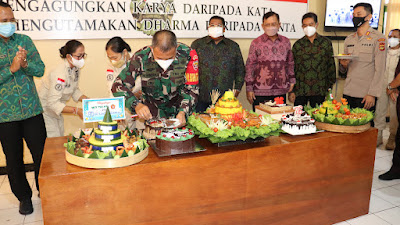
[279, 100]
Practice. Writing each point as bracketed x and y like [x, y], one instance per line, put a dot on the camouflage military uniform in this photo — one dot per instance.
[166, 93]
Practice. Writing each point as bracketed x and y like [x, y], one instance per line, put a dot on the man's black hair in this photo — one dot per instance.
[269, 14]
[310, 15]
[367, 7]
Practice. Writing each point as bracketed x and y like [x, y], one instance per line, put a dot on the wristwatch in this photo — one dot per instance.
[134, 104]
[389, 87]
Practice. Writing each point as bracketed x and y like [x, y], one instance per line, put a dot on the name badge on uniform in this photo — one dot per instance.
[60, 84]
[110, 75]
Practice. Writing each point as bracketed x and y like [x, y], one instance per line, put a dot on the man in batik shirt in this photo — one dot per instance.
[221, 63]
[314, 65]
[270, 66]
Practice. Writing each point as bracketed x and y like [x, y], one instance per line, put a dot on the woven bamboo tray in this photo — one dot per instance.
[106, 163]
[342, 128]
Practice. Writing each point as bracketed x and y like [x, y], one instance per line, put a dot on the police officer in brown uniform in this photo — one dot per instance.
[365, 72]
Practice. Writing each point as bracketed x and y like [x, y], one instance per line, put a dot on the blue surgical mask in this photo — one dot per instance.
[7, 29]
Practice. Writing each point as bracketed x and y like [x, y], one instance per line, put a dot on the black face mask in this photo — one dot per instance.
[359, 21]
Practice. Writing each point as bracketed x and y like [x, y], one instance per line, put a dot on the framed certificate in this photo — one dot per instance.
[95, 108]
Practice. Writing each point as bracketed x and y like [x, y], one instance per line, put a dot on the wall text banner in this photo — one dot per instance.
[77, 19]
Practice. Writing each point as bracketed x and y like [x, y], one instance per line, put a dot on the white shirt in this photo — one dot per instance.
[58, 87]
[392, 59]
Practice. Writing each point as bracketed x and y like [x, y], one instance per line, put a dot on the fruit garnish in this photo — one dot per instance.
[215, 130]
[164, 135]
[347, 112]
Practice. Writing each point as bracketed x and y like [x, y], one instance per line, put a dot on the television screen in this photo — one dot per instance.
[339, 14]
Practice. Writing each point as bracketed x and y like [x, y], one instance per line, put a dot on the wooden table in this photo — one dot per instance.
[318, 179]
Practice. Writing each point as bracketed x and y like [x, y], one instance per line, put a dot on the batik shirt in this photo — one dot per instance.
[221, 66]
[270, 66]
[314, 66]
[18, 97]
[166, 93]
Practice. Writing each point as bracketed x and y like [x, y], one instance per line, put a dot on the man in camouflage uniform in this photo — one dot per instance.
[169, 73]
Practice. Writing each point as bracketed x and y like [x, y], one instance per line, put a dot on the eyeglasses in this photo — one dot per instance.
[9, 21]
[215, 25]
[80, 56]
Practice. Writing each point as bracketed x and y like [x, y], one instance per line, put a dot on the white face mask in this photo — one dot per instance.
[164, 63]
[393, 42]
[78, 63]
[309, 31]
[215, 32]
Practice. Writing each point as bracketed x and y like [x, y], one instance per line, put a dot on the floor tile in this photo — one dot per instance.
[377, 184]
[2, 177]
[30, 175]
[35, 198]
[382, 164]
[389, 194]
[391, 215]
[35, 223]
[377, 204]
[31, 182]
[382, 153]
[33, 186]
[11, 217]
[369, 219]
[5, 187]
[8, 201]
[37, 215]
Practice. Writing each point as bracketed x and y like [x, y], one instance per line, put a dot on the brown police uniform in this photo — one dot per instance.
[365, 74]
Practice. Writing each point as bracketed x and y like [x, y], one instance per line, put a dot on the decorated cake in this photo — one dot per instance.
[106, 146]
[225, 120]
[175, 141]
[339, 113]
[276, 107]
[298, 123]
[228, 105]
[107, 136]
[155, 125]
